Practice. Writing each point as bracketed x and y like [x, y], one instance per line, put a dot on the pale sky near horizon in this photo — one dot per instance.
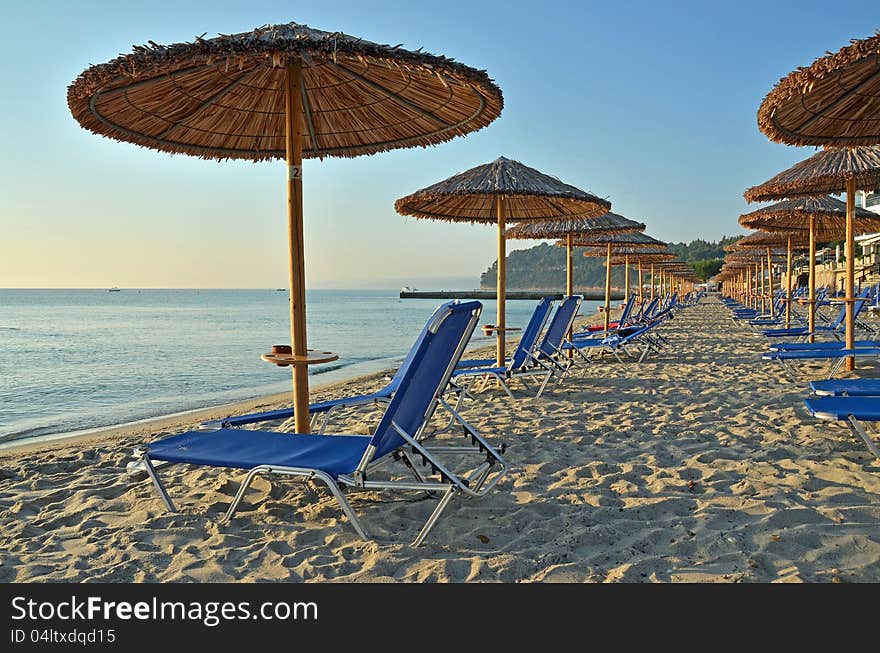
[651, 105]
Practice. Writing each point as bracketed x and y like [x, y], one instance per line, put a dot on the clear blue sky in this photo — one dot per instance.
[651, 105]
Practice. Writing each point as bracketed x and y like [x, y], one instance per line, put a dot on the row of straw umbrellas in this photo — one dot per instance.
[833, 103]
[292, 92]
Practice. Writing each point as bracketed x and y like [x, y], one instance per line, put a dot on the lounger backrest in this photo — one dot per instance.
[435, 354]
[627, 309]
[860, 303]
[559, 325]
[530, 334]
[651, 308]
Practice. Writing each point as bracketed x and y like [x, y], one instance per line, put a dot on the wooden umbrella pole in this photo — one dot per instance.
[500, 289]
[608, 287]
[626, 277]
[770, 283]
[811, 310]
[763, 290]
[788, 286]
[569, 281]
[849, 252]
[651, 298]
[569, 267]
[297, 278]
[641, 298]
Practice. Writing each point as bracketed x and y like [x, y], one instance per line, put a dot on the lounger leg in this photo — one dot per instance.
[505, 386]
[544, 384]
[444, 501]
[835, 367]
[245, 484]
[151, 472]
[312, 475]
[861, 433]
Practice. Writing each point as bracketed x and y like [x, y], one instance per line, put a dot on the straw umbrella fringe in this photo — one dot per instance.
[501, 191]
[283, 91]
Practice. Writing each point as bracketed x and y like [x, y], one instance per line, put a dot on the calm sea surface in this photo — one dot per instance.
[73, 360]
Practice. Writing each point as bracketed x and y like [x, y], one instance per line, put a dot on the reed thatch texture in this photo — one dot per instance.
[224, 98]
[618, 241]
[528, 194]
[826, 171]
[577, 226]
[835, 101]
[634, 250]
[764, 239]
[794, 215]
[644, 257]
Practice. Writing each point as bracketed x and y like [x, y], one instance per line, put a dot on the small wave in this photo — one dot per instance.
[3, 328]
[30, 433]
[328, 368]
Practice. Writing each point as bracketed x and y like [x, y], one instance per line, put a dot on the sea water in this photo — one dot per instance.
[72, 360]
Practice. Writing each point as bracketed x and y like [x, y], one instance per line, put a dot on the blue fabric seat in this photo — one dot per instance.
[850, 387]
[339, 454]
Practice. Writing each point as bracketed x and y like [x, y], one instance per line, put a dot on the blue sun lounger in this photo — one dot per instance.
[527, 339]
[846, 387]
[852, 410]
[835, 356]
[835, 328]
[354, 461]
[529, 358]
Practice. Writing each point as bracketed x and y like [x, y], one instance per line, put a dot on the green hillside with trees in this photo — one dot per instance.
[542, 267]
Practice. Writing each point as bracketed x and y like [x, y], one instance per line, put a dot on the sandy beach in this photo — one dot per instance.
[698, 465]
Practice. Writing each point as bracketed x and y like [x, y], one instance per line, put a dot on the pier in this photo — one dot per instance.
[510, 294]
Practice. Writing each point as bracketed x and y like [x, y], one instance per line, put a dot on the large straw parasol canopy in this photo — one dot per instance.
[224, 97]
[576, 226]
[529, 194]
[835, 101]
[283, 91]
[827, 171]
[764, 239]
[794, 215]
[495, 193]
[618, 240]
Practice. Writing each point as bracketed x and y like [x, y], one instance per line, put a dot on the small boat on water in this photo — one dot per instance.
[114, 289]
[408, 289]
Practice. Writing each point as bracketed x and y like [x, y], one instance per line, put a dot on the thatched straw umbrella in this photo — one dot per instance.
[765, 240]
[283, 92]
[771, 239]
[832, 170]
[825, 219]
[835, 101]
[495, 193]
[643, 254]
[754, 260]
[642, 257]
[611, 242]
[570, 229]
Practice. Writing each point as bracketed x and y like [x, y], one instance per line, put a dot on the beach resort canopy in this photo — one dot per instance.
[832, 170]
[835, 101]
[497, 193]
[570, 228]
[283, 92]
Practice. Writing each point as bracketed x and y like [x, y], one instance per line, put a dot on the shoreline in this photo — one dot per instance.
[189, 418]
